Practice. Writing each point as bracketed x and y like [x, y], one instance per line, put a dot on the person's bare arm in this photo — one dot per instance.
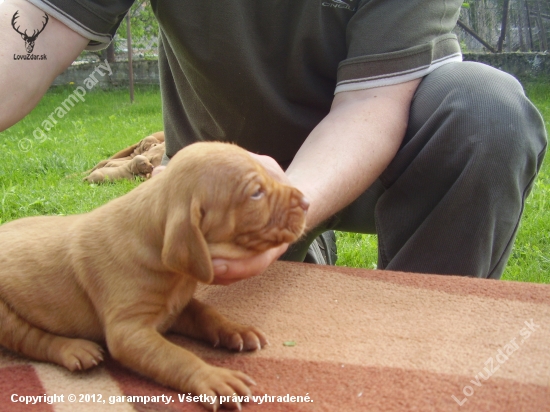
[24, 82]
[351, 147]
[339, 160]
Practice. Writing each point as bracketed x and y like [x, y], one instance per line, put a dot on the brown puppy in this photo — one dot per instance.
[131, 151]
[118, 162]
[140, 147]
[125, 273]
[138, 166]
[155, 154]
[144, 145]
[159, 136]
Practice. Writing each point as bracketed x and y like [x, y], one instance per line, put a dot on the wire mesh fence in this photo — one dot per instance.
[526, 25]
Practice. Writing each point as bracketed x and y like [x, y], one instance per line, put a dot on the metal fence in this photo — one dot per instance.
[484, 26]
[504, 25]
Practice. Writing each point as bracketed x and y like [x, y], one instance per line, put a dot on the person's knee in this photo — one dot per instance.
[487, 114]
[507, 121]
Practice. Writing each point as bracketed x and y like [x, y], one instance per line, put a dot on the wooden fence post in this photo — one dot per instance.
[130, 63]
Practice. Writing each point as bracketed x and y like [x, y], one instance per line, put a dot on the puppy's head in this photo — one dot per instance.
[142, 164]
[222, 203]
[155, 154]
[145, 144]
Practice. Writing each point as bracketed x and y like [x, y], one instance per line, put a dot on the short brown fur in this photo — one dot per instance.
[125, 273]
[126, 169]
[130, 152]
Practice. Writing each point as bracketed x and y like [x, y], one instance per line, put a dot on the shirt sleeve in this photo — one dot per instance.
[394, 41]
[96, 20]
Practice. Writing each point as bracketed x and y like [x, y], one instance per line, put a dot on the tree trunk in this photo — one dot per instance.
[542, 30]
[130, 63]
[503, 26]
[529, 26]
[111, 52]
[520, 30]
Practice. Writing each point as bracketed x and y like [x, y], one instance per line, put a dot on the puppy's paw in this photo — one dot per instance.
[80, 354]
[223, 388]
[238, 337]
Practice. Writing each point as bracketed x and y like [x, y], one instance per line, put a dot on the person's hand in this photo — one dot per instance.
[227, 271]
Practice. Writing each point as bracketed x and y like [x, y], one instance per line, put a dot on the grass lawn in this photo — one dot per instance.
[41, 176]
[44, 177]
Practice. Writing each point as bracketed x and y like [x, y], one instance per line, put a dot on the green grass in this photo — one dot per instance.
[46, 178]
[530, 259]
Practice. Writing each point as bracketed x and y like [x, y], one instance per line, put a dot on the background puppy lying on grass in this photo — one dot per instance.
[140, 147]
[127, 169]
[125, 273]
[131, 151]
[155, 154]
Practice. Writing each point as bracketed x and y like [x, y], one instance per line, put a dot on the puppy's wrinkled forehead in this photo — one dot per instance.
[217, 168]
[237, 176]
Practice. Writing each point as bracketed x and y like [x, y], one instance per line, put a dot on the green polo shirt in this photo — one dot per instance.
[263, 74]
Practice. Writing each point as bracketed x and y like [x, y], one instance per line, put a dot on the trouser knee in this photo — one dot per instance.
[472, 149]
[477, 114]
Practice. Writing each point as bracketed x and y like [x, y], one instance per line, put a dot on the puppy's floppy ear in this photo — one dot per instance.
[185, 249]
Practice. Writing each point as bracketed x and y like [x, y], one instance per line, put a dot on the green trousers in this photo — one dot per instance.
[451, 200]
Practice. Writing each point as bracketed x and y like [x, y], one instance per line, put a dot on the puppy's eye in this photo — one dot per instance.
[258, 194]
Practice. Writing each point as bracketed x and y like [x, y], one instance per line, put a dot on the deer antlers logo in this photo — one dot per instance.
[29, 40]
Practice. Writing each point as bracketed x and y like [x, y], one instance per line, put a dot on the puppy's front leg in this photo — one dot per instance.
[201, 321]
[144, 350]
